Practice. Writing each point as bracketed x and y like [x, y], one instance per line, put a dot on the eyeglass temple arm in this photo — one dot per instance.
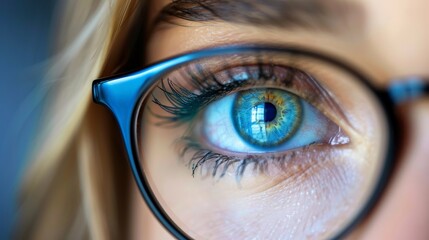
[408, 89]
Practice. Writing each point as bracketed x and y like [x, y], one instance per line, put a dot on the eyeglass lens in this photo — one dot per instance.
[265, 144]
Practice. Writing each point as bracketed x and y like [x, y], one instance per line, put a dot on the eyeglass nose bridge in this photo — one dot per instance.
[408, 89]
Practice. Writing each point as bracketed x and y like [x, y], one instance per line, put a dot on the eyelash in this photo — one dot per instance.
[183, 105]
[220, 163]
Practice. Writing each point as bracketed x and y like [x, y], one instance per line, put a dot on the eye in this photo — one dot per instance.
[265, 120]
[254, 114]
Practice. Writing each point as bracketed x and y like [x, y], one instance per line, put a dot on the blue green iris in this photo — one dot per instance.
[266, 117]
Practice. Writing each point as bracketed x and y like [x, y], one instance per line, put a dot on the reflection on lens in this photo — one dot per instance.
[261, 145]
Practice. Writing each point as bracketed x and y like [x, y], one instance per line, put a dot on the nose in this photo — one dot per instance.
[403, 211]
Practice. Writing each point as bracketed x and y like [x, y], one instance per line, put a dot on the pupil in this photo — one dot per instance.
[270, 112]
[265, 112]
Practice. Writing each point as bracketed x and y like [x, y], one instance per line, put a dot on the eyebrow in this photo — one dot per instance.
[326, 15]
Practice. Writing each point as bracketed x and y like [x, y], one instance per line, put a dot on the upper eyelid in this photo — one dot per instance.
[321, 96]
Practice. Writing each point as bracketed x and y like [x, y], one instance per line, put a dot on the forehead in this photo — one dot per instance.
[385, 37]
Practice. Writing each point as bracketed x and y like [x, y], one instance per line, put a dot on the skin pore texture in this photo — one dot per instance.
[390, 43]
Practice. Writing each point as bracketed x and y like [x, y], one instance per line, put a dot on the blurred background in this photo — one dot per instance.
[25, 44]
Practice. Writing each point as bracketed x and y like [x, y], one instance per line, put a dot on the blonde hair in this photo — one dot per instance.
[78, 166]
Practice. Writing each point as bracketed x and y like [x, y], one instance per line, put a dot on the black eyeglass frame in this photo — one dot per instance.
[123, 95]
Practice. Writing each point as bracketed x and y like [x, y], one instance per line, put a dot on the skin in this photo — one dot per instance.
[393, 44]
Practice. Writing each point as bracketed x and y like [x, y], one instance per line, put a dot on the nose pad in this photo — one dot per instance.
[403, 212]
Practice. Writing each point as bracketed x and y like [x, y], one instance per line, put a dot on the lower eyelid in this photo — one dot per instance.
[292, 168]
